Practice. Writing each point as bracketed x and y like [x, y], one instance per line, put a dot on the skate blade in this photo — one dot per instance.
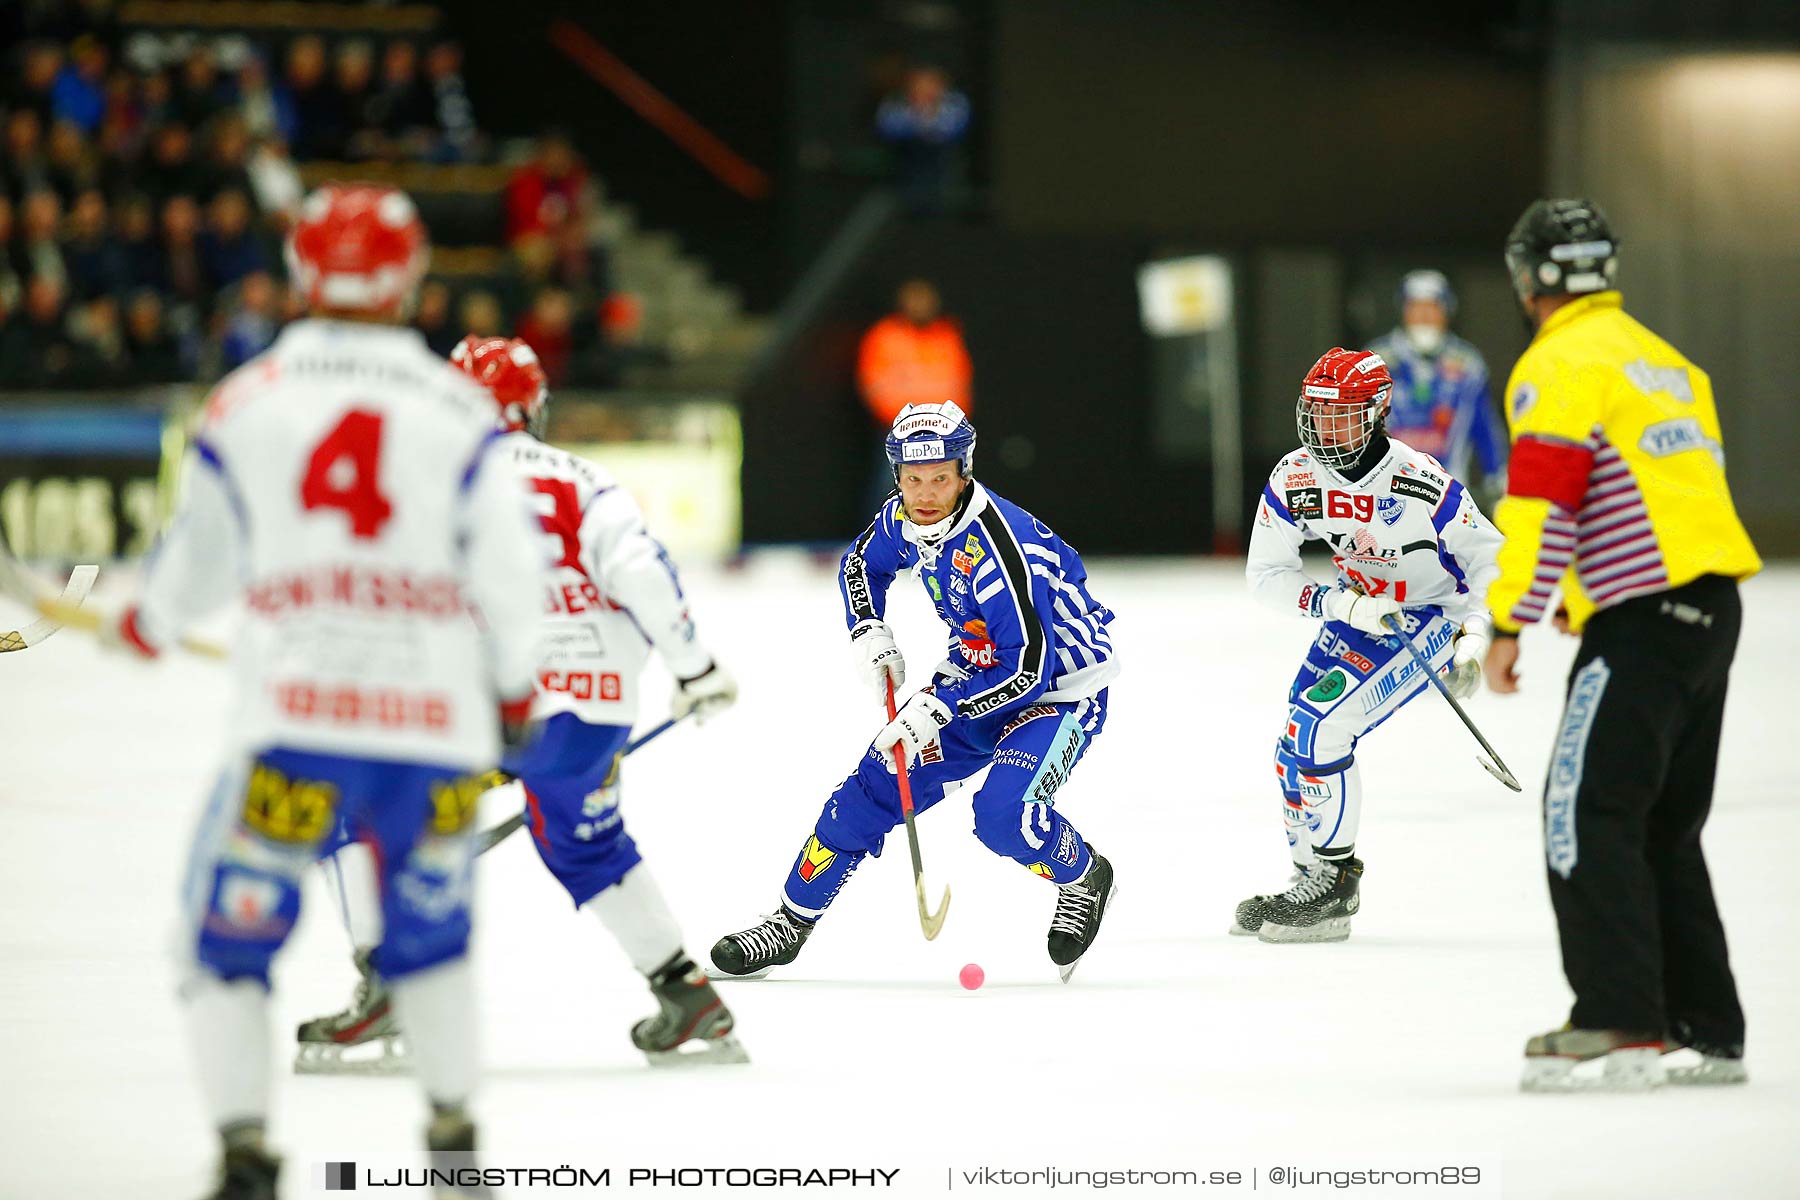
[723, 1051]
[1335, 929]
[1633, 1069]
[389, 1057]
[1112, 894]
[1708, 1072]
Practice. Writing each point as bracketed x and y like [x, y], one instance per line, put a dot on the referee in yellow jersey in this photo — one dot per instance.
[1617, 493]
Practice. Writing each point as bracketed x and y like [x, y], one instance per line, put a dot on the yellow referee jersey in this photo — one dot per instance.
[1616, 486]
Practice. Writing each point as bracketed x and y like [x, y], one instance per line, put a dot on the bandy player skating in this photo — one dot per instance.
[1023, 693]
[610, 595]
[1409, 543]
[348, 487]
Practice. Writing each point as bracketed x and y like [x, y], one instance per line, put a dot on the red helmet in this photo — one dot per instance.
[358, 247]
[509, 369]
[1343, 404]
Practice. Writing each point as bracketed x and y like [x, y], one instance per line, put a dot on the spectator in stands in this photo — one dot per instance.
[10, 284]
[38, 254]
[35, 90]
[227, 156]
[24, 169]
[201, 94]
[120, 138]
[70, 161]
[47, 355]
[481, 315]
[547, 327]
[79, 93]
[319, 115]
[250, 320]
[914, 355]
[15, 339]
[402, 106]
[170, 169]
[622, 343]
[94, 327]
[184, 274]
[155, 353]
[267, 107]
[432, 317]
[354, 78]
[95, 264]
[457, 140]
[156, 98]
[923, 125]
[140, 254]
[230, 248]
[549, 193]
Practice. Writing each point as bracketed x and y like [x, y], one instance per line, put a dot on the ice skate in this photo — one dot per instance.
[247, 1172]
[1319, 905]
[1247, 921]
[450, 1141]
[1692, 1062]
[694, 1026]
[1629, 1061]
[1080, 907]
[754, 952]
[325, 1042]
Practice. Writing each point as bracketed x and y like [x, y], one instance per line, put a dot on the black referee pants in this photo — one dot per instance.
[1629, 790]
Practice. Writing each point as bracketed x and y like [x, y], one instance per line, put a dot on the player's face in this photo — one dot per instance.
[930, 490]
[1337, 424]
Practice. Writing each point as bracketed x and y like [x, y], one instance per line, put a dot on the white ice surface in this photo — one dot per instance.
[1175, 1046]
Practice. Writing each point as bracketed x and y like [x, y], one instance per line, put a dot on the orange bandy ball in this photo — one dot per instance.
[972, 976]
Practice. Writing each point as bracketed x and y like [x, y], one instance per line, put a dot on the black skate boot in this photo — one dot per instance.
[1629, 1061]
[247, 1171]
[752, 953]
[691, 1013]
[1318, 907]
[1079, 909]
[1250, 915]
[1699, 1062]
[368, 1021]
[450, 1140]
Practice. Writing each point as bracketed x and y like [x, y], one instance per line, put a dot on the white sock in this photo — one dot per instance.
[635, 913]
[358, 893]
[436, 1008]
[228, 1036]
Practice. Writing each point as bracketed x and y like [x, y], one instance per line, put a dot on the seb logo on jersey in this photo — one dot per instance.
[969, 557]
[977, 651]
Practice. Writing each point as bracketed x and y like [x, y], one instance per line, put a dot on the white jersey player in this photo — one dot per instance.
[348, 487]
[1410, 546]
[611, 594]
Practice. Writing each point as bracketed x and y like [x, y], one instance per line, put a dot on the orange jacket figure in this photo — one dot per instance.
[902, 362]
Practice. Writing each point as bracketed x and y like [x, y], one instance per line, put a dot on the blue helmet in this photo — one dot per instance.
[929, 433]
[1428, 285]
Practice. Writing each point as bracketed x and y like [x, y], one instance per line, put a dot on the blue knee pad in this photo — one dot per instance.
[574, 813]
[249, 915]
[863, 809]
[1015, 814]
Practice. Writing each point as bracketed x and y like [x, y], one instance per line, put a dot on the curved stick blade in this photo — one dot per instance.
[1501, 773]
[932, 923]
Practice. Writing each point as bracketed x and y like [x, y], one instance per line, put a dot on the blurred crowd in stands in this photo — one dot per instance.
[147, 179]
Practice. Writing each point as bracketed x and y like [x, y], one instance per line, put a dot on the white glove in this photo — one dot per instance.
[1464, 679]
[705, 695]
[914, 727]
[877, 657]
[1361, 612]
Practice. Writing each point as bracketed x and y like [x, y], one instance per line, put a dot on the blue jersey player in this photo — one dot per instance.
[1023, 693]
[1441, 404]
